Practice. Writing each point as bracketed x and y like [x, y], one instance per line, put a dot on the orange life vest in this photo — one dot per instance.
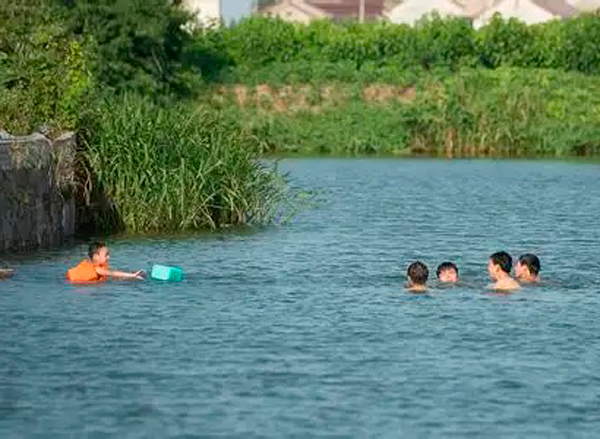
[85, 271]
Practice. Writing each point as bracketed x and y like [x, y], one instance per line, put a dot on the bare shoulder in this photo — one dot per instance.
[5, 273]
[510, 285]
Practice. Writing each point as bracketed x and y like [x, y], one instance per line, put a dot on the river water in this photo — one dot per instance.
[304, 330]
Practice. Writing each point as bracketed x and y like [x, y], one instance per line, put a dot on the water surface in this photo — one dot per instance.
[304, 330]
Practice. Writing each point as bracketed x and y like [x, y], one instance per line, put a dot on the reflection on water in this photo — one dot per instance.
[305, 330]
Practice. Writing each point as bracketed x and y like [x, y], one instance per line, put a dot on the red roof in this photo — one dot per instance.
[341, 9]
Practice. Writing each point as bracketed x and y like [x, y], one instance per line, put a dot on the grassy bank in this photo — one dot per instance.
[123, 75]
[438, 88]
[506, 112]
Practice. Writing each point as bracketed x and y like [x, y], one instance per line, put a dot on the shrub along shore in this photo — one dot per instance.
[173, 119]
[125, 75]
[440, 88]
[507, 112]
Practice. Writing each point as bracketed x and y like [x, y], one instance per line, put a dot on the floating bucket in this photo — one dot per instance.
[162, 272]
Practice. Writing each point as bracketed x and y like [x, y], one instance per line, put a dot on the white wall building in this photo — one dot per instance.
[585, 5]
[410, 11]
[528, 11]
[206, 11]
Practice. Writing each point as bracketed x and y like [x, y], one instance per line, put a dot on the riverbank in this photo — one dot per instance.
[174, 120]
[507, 112]
[122, 77]
[439, 88]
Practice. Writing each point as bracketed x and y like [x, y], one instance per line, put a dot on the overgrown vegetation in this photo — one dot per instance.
[449, 43]
[508, 89]
[123, 74]
[472, 113]
[174, 117]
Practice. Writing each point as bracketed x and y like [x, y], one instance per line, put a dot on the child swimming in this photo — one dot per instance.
[499, 266]
[417, 274]
[447, 272]
[528, 268]
[96, 269]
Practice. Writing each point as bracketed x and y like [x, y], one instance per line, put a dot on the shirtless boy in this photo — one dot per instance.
[499, 266]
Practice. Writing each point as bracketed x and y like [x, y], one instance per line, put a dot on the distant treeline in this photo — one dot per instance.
[572, 44]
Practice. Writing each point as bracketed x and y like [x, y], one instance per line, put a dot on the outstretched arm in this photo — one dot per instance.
[120, 274]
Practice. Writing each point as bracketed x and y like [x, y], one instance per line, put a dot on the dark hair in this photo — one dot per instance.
[95, 248]
[446, 266]
[503, 260]
[418, 273]
[532, 262]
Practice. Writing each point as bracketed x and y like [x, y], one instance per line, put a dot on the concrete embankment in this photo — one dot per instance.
[37, 203]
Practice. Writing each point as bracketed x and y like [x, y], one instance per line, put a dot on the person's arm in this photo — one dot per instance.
[120, 274]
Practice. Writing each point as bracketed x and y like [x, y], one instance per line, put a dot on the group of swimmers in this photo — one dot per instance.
[96, 269]
[500, 264]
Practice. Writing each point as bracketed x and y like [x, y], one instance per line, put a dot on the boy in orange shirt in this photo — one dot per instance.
[96, 269]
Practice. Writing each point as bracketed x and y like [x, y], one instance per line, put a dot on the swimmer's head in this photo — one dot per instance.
[417, 273]
[98, 253]
[447, 272]
[500, 264]
[528, 267]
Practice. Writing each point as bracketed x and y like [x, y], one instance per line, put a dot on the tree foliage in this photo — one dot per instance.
[57, 56]
[433, 42]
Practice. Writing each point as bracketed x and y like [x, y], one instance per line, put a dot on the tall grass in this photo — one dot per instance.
[506, 112]
[178, 168]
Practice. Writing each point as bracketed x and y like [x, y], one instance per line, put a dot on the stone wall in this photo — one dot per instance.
[37, 206]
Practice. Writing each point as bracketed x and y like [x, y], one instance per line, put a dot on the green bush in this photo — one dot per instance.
[506, 43]
[137, 46]
[581, 47]
[57, 56]
[434, 42]
[45, 76]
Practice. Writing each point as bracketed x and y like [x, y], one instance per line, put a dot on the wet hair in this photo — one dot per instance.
[532, 262]
[418, 273]
[503, 260]
[446, 266]
[94, 248]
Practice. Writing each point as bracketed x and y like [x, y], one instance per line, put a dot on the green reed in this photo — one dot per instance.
[178, 168]
[507, 112]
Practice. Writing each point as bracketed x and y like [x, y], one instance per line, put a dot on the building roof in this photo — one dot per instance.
[556, 7]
